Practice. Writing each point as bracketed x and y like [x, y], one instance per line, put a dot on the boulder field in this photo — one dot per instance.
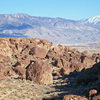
[35, 59]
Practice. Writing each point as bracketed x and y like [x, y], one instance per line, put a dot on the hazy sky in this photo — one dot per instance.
[69, 9]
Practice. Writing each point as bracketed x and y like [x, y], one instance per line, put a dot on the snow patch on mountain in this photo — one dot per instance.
[94, 19]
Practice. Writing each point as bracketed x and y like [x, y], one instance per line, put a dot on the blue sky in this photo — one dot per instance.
[69, 9]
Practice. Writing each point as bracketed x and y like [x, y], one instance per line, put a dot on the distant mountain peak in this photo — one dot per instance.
[94, 19]
[20, 15]
[57, 30]
[17, 15]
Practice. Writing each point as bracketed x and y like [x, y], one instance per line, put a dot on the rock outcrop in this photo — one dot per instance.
[39, 72]
[17, 50]
[41, 61]
[25, 50]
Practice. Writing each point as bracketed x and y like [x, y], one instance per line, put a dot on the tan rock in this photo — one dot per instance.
[5, 59]
[58, 63]
[74, 97]
[20, 70]
[87, 61]
[5, 71]
[38, 52]
[96, 97]
[39, 72]
[5, 47]
[92, 93]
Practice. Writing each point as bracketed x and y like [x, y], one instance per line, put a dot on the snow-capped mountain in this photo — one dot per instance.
[57, 30]
[94, 20]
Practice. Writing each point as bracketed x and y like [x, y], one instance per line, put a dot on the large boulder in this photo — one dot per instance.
[38, 52]
[39, 72]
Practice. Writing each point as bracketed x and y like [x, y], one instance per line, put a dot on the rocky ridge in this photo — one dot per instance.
[47, 64]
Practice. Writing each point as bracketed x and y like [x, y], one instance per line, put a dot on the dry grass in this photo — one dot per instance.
[14, 89]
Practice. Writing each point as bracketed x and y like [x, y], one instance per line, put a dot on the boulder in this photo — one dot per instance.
[5, 59]
[57, 62]
[39, 72]
[56, 51]
[96, 57]
[96, 97]
[88, 62]
[74, 97]
[19, 46]
[2, 77]
[38, 52]
[92, 93]
[52, 55]
[66, 67]
[24, 60]
[59, 49]
[5, 47]
[70, 66]
[5, 71]
[41, 43]
[20, 70]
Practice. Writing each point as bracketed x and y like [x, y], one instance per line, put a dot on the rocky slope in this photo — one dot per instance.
[36, 69]
[57, 30]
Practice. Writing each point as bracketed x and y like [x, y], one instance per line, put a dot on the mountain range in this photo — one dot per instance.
[56, 30]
